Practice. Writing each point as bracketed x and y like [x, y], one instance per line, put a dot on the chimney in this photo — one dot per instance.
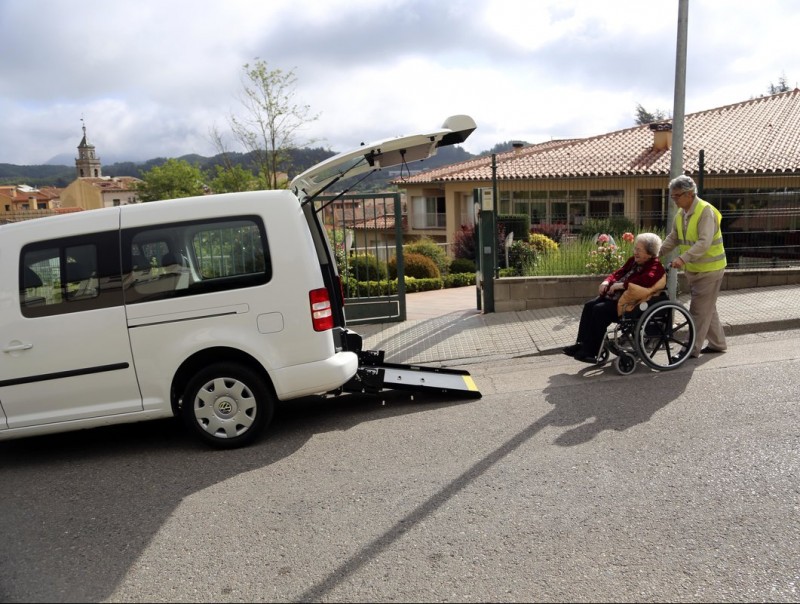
[662, 135]
[517, 145]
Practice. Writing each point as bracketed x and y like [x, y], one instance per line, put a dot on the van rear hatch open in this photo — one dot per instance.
[374, 374]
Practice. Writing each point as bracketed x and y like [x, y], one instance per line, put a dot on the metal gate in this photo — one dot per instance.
[366, 233]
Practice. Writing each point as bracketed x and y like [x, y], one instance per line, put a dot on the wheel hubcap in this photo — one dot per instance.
[225, 408]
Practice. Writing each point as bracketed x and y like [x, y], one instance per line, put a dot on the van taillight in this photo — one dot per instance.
[321, 312]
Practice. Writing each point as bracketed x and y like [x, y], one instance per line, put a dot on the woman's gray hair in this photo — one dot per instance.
[651, 241]
[682, 183]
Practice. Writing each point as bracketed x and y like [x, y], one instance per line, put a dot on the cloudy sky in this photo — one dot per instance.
[151, 77]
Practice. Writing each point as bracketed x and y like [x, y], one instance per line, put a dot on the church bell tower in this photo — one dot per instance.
[87, 164]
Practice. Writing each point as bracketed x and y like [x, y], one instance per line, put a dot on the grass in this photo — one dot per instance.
[575, 258]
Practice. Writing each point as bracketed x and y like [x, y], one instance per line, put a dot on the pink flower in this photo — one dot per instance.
[628, 237]
[603, 238]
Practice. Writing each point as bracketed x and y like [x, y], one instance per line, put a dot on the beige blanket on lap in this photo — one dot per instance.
[636, 294]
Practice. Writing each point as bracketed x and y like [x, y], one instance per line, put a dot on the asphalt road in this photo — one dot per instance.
[563, 483]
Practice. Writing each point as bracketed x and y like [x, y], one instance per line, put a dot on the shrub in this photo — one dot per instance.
[337, 238]
[462, 265]
[465, 242]
[420, 267]
[459, 279]
[365, 289]
[521, 256]
[422, 285]
[416, 265]
[605, 258]
[555, 231]
[427, 247]
[367, 267]
[542, 244]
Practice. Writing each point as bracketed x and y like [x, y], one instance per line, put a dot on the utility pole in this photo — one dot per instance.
[678, 109]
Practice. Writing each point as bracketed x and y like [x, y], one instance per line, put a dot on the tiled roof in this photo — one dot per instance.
[386, 221]
[758, 136]
[117, 183]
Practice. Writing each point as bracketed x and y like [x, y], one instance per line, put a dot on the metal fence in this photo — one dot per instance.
[760, 214]
[366, 233]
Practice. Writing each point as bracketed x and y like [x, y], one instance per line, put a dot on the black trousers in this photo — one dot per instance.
[597, 315]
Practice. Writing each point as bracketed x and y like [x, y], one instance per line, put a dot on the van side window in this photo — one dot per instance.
[70, 275]
[188, 258]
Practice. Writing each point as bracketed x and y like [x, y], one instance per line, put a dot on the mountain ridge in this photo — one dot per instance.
[41, 175]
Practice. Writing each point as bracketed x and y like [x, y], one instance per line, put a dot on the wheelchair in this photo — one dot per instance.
[659, 332]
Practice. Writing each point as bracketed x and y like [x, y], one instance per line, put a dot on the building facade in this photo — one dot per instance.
[745, 157]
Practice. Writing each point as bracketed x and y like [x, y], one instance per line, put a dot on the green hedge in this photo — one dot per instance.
[459, 279]
[363, 289]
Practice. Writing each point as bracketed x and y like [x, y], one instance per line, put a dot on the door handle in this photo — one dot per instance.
[17, 346]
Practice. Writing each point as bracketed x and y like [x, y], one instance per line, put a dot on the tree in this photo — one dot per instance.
[176, 178]
[271, 120]
[782, 86]
[645, 117]
[230, 179]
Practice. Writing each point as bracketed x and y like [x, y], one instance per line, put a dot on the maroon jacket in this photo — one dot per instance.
[646, 275]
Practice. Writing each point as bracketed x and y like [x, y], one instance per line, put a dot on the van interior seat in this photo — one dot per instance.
[172, 264]
[169, 259]
[76, 272]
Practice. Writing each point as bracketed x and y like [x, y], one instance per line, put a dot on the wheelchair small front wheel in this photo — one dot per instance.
[625, 364]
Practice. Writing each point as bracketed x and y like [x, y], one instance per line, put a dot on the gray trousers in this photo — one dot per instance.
[704, 288]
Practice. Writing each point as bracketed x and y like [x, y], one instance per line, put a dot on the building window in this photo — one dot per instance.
[567, 207]
[429, 212]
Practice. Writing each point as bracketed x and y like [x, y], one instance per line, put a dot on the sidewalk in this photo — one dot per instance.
[444, 327]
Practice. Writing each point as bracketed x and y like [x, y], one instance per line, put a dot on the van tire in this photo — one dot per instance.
[227, 405]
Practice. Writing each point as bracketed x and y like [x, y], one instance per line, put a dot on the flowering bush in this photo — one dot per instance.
[542, 243]
[628, 237]
[606, 257]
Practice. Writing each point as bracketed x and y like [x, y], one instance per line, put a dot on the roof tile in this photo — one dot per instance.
[761, 135]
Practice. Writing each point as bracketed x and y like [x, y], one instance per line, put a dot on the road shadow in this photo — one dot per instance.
[78, 509]
[611, 401]
[606, 405]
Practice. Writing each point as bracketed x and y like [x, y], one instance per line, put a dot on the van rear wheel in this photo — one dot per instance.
[227, 405]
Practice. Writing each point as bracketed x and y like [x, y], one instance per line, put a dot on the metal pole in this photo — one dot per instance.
[701, 173]
[477, 201]
[495, 209]
[678, 108]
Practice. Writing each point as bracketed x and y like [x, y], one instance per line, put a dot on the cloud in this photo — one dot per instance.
[150, 78]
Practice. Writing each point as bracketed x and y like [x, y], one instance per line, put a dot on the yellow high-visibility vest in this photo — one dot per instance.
[714, 258]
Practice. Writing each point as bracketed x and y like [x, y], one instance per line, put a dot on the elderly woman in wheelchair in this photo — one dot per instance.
[633, 317]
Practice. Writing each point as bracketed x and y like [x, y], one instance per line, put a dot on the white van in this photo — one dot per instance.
[208, 307]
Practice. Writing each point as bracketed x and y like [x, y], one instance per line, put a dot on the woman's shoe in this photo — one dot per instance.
[586, 358]
[571, 351]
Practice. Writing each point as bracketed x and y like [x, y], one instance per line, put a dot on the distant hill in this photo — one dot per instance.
[301, 159]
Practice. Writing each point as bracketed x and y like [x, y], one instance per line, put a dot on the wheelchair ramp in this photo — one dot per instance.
[374, 376]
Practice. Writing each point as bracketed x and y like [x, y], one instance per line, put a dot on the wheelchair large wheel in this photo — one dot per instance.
[665, 335]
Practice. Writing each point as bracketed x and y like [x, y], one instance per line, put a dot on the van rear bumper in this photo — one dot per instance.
[315, 378]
